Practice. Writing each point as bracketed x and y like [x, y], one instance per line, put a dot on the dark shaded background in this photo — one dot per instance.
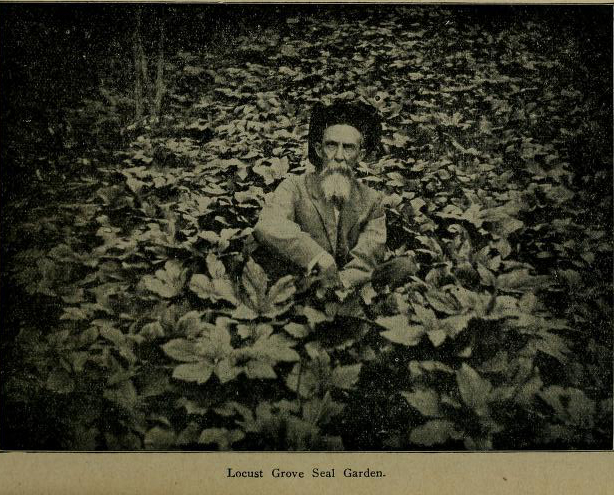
[51, 56]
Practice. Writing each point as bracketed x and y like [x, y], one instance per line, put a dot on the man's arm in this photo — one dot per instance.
[368, 252]
[277, 228]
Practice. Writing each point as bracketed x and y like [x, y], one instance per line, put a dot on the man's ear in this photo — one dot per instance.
[318, 148]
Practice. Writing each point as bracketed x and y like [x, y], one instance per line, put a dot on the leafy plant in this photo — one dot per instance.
[154, 328]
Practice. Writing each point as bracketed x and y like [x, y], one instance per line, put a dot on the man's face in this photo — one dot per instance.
[339, 151]
[341, 147]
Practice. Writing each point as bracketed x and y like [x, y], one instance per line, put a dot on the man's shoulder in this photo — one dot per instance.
[294, 181]
[300, 184]
[292, 184]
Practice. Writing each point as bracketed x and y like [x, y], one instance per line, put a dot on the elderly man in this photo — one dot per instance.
[327, 221]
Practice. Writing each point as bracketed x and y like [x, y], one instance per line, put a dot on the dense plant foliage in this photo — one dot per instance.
[142, 323]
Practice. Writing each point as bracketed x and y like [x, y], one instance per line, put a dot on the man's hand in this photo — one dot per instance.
[394, 273]
[327, 272]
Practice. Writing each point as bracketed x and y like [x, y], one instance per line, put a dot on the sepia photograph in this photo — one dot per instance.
[306, 228]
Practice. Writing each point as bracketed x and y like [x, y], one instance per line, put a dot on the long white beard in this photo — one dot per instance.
[336, 187]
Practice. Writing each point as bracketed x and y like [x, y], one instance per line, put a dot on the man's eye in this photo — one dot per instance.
[348, 149]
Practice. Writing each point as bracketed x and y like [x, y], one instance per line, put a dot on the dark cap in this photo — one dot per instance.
[357, 114]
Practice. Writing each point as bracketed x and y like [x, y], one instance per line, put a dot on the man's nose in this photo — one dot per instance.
[339, 154]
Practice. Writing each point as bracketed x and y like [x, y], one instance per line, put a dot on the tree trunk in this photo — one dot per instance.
[159, 75]
[138, 85]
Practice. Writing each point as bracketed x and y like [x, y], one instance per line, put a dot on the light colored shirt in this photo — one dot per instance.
[318, 257]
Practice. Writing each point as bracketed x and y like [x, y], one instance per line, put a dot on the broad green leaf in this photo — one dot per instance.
[215, 266]
[559, 194]
[276, 348]
[539, 322]
[473, 214]
[246, 331]
[193, 372]
[423, 315]
[182, 350]
[191, 407]
[527, 392]
[345, 377]
[308, 384]
[320, 411]
[153, 382]
[168, 282]
[277, 170]
[135, 185]
[425, 401]
[88, 337]
[78, 360]
[152, 331]
[431, 244]
[189, 434]
[435, 431]
[223, 289]
[297, 330]
[255, 282]
[520, 281]
[571, 405]
[417, 204]
[314, 316]
[114, 335]
[216, 342]
[158, 438]
[73, 313]
[226, 371]
[215, 289]
[211, 237]
[222, 437]
[554, 346]
[282, 290]
[417, 368]
[190, 324]
[455, 324]
[367, 292]
[160, 287]
[503, 246]
[259, 369]
[227, 410]
[437, 337]
[474, 390]
[60, 381]
[243, 312]
[505, 226]
[504, 307]
[317, 353]
[443, 302]
[486, 276]
[399, 331]
[468, 300]
[226, 235]
[123, 394]
[500, 394]
[498, 364]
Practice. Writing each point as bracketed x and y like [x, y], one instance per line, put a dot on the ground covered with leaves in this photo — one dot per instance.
[138, 322]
